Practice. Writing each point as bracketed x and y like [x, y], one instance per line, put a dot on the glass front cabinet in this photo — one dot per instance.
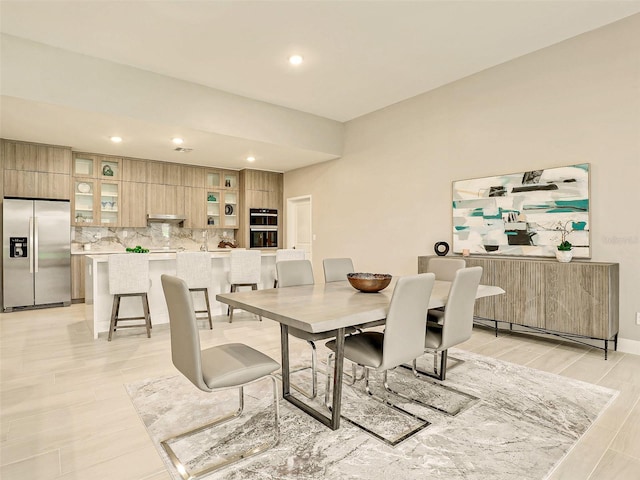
[96, 189]
[222, 199]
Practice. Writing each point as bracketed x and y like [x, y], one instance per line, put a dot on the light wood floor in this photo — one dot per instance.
[65, 413]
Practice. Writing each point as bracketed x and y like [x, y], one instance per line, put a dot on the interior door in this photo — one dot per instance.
[17, 253]
[299, 231]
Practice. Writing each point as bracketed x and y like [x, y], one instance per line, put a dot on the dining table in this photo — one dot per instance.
[324, 307]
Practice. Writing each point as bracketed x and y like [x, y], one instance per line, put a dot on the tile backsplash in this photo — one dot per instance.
[155, 237]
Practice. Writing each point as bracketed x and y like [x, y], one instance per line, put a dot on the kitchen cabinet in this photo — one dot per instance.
[36, 170]
[222, 209]
[164, 173]
[259, 189]
[133, 204]
[165, 199]
[77, 278]
[28, 184]
[134, 170]
[88, 165]
[195, 207]
[35, 157]
[95, 202]
[193, 176]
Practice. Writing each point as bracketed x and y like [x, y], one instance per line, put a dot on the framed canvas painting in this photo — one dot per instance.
[523, 213]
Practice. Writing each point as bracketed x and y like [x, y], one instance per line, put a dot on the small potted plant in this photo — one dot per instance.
[564, 253]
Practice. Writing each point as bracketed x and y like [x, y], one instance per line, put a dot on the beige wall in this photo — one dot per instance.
[388, 199]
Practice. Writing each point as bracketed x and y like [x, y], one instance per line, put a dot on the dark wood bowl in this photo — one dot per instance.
[369, 282]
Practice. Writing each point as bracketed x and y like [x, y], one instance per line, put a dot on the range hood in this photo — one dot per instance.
[166, 218]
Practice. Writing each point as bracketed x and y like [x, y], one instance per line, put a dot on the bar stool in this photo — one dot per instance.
[195, 269]
[129, 277]
[283, 255]
[244, 271]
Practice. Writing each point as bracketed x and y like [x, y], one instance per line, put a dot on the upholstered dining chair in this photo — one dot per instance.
[284, 255]
[245, 267]
[457, 320]
[336, 269]
[195, 269]
[400, 342]
[445, 269]
[293, 273]
[213, 369]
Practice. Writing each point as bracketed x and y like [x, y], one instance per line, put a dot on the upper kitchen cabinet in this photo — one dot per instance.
[35, 157]
[103, 167]
[231, 180]
[134, 170]
[165, 199]
[95, 202]
[35, 170]
[133, 204]
[164, 173]
[213, 179]
[194, 176]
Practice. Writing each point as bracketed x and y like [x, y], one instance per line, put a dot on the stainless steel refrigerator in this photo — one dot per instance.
[36, 246]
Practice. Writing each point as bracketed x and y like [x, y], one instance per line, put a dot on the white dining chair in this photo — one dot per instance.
[445, 269]
[336, 269]
[401, 342]
[195, 269]
[222, 367]
[293, 273]
[457, 320]
[245, 267]
[129, 277]
[284, 255]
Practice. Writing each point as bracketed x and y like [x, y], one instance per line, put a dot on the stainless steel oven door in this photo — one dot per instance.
[263, 237]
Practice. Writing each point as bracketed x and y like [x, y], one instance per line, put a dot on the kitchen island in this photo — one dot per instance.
[98, 301]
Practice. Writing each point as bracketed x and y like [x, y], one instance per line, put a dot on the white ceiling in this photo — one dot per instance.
[360, 56]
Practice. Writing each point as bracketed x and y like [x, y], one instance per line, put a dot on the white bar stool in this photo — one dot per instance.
[283, 255]
[129, 277]
[245, 267]
[195, 269]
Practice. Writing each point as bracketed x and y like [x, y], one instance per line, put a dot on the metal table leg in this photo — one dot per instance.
[332, 422]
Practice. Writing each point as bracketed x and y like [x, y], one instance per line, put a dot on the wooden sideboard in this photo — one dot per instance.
[574, 300]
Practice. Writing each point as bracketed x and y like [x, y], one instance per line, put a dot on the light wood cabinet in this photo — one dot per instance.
[579, 298]
[134, 170]
[77, 278]
[163, 199]
[259, 189]
[35, 170]
[164, 173]
[89, 165]
[133, 204]
[193, 176]
[195, 204]
[22, 183]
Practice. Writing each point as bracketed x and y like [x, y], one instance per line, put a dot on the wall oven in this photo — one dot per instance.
[263, 228]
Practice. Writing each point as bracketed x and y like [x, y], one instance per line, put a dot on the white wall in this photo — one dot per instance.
[388, 199]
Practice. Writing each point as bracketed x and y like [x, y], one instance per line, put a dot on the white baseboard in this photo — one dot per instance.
[629, 346]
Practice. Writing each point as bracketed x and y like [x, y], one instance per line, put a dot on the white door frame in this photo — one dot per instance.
[291, 221]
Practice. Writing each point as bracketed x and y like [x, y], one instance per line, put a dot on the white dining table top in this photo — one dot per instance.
[328, 306]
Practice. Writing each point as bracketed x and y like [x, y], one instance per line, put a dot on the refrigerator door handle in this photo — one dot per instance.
[34, 252]
[31, 244]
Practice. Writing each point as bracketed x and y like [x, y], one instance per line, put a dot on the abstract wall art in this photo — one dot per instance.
[523, 213]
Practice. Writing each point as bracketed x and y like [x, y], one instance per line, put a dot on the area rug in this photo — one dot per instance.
[521, 425]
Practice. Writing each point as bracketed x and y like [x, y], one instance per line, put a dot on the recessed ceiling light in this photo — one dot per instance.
[115, 139]
[251, 159]
[295, 59]
[177, 141]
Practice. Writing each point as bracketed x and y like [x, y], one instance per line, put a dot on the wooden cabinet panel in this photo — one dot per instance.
[193, 176]
[163, 199]
[103, 167]
[576, 292]
[195, 205]
[20, 183]
[134, 170]
[133, 205]
[164, 173]
[577, 298]
[77, 277]
[54, 160]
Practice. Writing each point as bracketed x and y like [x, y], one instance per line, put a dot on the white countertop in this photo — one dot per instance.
[101, 256]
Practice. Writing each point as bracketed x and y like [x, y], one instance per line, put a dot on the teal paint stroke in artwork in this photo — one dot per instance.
[475, 203]
[461, 227]
[578, 225]
[581, 205]
[583, 166]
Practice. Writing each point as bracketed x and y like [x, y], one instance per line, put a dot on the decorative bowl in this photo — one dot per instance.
[369, 282]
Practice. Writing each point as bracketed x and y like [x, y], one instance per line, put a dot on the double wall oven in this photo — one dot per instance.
[263, 228]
